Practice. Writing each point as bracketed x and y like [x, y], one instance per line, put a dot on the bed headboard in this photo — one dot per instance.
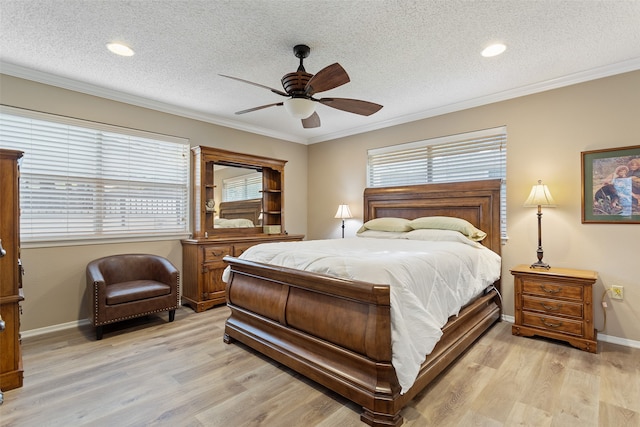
[475, 201]
[247, 209]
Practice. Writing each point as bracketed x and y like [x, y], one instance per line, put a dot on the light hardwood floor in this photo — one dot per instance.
[148, 372]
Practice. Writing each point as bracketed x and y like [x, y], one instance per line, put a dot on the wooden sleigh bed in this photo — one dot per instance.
[338, 332]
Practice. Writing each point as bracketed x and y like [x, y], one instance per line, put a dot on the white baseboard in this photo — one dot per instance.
[601, 337]
[54, 328]
[617, 340]
[507, 318]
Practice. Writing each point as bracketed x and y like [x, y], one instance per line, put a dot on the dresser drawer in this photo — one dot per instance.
[216, 253]
[550, 323]
[551, 289]
[239, 249]
[551, 306]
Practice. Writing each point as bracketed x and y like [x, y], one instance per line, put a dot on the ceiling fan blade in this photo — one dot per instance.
[276, 91]
[313, 121]
[329, 77]
[356, 106]
[259, 108]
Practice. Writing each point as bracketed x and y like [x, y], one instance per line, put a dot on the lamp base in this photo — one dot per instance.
[540, 264]
[540, 253]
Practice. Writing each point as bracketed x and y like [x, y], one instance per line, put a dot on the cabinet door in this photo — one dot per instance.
[212, 269]
[214, 286]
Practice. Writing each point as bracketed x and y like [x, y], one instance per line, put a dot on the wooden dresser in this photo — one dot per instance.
[202, 266]
[11, 373]
[555, 303]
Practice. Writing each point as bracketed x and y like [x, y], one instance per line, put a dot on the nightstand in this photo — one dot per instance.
[555, 303]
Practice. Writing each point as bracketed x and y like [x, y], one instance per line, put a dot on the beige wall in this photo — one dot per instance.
[546, 133]
[54, 280]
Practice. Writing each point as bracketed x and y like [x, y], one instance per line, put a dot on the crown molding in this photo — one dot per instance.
[139, 101]
[90, 89]
[568, 80]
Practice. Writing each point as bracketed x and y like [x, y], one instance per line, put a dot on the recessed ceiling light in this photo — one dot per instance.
[120, 49]
[493, 50]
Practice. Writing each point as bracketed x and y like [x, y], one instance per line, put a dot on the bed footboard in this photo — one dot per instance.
[337, 332]
[300, 319]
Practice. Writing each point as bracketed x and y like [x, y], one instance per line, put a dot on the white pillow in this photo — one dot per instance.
[435, 235]
[376, 234]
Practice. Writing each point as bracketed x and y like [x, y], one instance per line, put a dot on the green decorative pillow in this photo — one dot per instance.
[448, 223]
[386, 224]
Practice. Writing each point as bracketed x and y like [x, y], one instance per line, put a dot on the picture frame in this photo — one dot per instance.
[611, 186]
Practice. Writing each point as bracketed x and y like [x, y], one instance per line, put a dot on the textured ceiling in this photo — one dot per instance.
[417, 58]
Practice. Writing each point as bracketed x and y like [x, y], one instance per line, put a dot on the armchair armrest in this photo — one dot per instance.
[165, 272]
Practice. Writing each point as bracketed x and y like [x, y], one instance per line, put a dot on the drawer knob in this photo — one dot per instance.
[551, 307]
[551, 325]
[550, 291]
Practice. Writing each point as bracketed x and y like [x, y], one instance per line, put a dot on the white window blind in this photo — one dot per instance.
[82, 180]
[243, 187]
[470, 156]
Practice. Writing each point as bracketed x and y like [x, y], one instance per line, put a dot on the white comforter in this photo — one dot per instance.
[429, 281]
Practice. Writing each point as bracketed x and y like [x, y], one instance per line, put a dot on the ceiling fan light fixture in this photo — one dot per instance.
[300, 108]
[493, 50]
[120, 49]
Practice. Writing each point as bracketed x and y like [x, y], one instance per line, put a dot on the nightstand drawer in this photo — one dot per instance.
[216, 253]
[550, 306]
[551, 289]
[550, 323]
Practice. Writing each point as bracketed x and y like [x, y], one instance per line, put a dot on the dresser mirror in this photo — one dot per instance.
[237, 197]
[236, 193]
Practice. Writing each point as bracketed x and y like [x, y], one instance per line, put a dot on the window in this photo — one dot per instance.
[81, 180]
[243, 187]
[470, 156]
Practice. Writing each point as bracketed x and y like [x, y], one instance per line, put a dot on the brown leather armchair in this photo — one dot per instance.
[122, 287]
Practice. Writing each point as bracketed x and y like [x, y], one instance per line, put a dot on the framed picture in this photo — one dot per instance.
[611, 186]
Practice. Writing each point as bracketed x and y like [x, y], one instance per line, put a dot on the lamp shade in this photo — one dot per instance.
[343, 212]
[539, 196]
[300, 108]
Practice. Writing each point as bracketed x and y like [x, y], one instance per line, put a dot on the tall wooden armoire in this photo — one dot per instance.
[10, 271]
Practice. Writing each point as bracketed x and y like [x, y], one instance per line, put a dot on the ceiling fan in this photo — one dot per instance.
[300, 88]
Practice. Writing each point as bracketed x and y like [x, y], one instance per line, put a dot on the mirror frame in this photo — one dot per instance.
[204, 158]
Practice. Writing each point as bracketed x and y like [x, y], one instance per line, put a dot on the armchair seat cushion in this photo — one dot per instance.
[119, 293]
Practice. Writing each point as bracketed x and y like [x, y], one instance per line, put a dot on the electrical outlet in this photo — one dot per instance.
[617, 292]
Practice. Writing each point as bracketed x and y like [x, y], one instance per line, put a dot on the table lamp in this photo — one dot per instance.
[539, 197]
[342, 213]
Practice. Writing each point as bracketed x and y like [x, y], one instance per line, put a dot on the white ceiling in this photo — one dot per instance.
[418, 58]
